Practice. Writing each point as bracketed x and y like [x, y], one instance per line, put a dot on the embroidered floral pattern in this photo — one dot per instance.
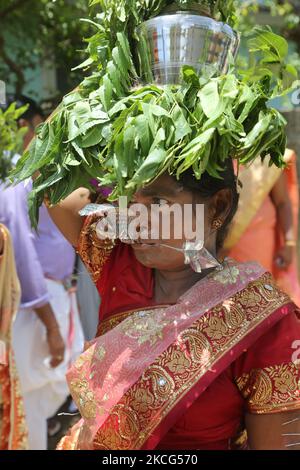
[145, 327]
[93, 251]
[13, 429]
[271, 389]
[84, 397]
[179, 367]
[109, 323]
[227, 275]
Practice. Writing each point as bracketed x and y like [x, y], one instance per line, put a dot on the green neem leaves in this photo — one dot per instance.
[125, 135]
[267, 55]
[149, 131]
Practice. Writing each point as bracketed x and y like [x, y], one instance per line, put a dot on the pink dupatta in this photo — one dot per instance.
[121, 376]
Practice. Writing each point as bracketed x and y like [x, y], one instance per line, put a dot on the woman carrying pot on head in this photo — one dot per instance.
[192, 351]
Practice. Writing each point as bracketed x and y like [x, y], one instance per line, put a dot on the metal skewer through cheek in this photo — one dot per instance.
[196, 255]
[194, 252]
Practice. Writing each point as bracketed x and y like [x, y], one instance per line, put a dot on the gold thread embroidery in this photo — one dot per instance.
[144, 327]
[93, 251]
[85, 398]
[13, 429]
[203, 347]
[271, 389]
[109, 323]
[227, 276]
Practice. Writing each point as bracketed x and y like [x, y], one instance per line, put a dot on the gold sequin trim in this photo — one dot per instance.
[180, 366]
[271, 389]
[93, 251]
[13, 429]
[109, 323]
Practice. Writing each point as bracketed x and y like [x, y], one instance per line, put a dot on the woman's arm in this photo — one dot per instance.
[65, 214]
[283, 205]
[278, 431]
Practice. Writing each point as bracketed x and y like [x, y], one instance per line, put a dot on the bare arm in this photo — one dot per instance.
[278, 431]
[283, 205]
[54, 338]
[65, 214]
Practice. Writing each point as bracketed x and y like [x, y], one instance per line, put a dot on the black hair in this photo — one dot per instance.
[208, 186]
[22, 100]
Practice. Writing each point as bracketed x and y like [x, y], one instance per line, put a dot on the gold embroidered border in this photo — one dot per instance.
[180, 367]
[109, 323]
[19, 435]
[271, 389]
[13, 429]
[93, 251]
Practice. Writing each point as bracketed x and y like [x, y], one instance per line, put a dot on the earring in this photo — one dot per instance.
[216, 224]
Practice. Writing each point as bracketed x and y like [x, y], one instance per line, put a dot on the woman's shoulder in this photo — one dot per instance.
[98, 253]
[93, 250]
[268, 372]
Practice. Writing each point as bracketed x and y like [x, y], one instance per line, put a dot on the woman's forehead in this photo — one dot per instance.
[164, 185]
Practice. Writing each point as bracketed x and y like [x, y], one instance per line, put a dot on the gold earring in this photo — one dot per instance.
[217, 223]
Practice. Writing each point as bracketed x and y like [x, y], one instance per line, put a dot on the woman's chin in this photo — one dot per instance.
[147, 255]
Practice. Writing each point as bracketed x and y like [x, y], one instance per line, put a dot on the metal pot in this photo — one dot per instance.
[168, 42]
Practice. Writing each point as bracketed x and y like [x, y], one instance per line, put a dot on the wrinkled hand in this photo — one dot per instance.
[284, 257]
[56, 347]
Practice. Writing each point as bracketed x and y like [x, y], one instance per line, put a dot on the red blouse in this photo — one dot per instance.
[264, 379]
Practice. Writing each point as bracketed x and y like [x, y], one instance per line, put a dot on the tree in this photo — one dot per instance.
[11, 137]
[32, 30]
[284, 15]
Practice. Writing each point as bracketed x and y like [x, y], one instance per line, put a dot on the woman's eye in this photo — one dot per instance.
[159, 201]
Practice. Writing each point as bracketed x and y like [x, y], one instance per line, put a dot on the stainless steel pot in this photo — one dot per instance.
[170, 41]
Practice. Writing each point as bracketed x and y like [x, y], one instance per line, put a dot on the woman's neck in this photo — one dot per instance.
[170, 285]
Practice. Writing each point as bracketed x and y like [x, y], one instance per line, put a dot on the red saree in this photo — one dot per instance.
[181, 376]
[13, 430]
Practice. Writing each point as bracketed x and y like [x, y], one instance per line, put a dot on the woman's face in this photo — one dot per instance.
[173, 226]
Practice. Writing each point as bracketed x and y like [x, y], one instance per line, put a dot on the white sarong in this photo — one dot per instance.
[44, 388]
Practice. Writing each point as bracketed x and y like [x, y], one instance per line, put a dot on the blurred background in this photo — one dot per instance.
[42, 42]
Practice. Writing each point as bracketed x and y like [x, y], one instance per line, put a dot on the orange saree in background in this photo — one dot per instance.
[13, 432]
[255, 234]
[181, 376]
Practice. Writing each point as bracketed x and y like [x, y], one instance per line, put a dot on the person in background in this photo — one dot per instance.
[87, 294]
[47, 333]
[13, 430]
[265, 228]
[88, 302]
